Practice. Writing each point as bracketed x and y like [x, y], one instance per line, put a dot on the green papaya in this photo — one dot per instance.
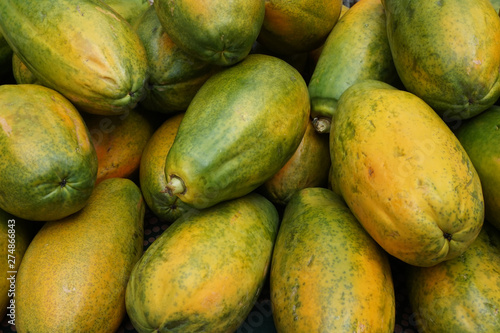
[461, 295]
[205, 272]
[82, 49]
[327, 273]
[242, 126]
[48, 164]
[447, 53]
[218, 31]
[480, 137]
[404, 174]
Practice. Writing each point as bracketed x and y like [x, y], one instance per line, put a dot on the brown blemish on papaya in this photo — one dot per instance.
[447, 236]
[370, 171]
[107, 13]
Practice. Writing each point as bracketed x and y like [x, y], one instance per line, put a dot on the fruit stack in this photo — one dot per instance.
[250, 165]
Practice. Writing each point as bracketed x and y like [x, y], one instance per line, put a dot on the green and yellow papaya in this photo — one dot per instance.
[241, 128]
[174, 76]
[48, 164]
[75, 271]
[218, 31]
[461, 295]
[204, 273]
[480, 137]
[130, 10]
[327, 273]
[82, 49]
[356, 49]
[404, 174]
[447, 53]
[152, 177]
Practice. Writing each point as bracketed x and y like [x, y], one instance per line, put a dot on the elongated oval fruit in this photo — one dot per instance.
[74, 273]
[82, 49]
[221, 32]
[362, 31]
[480, 137]
[404, 174]
[460, 295]
[447, 53]
[240, 129]
[49, 165]
[327, 273]
[204, 273]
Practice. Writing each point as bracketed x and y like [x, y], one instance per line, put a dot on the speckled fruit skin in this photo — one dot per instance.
[242, 126]
[82, 49]
[74, 273]
[356, 49]
[174, 76]
[460, 295]
[48, 164]
[404, 174]
[204, 273]
[447, 53]
[218, 31]
[152, 172]
[327, 273]
[130, 10]
[480, 137]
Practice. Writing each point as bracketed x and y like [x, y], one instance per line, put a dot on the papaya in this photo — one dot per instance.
[205, 272]
[130, 10]
[22, 74]
[404, 174]
[119, 142]
[48, 169]
[298, 26]
[327, 273]
[480, 137]
[75, 271]
[447, 53]
[84, 50]
[152, 177]
[174, 76]
[241, 128]
[217, 31]
[309, 166]
[361, 31]
[15, 236]
[460, 295]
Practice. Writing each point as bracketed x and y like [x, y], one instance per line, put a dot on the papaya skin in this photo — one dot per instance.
[55, 177]
[460, 295]
[327, 273]
[75, 271]
[239, 116]
[480, 137]
[85, 51]
[206, 270]
[447, 53]
[404, 174]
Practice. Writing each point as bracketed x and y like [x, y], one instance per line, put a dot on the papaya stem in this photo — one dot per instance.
[322, 124]
[175, 185]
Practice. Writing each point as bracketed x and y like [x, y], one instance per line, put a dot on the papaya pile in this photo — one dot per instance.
[307, 152]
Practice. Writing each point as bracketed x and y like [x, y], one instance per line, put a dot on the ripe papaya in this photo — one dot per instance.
[83, 50]
[119, 142]
[327, 274]
[299, 26]
[75, 271]
[356, 49]
[447, 53]
[152, 177]
[48, 164]
[242, 126]
[130, 10]
[404, 174]
[174, 76]
[459, 295]
[205, 272]
[309, 166]
[217, 31]
[480, 137]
